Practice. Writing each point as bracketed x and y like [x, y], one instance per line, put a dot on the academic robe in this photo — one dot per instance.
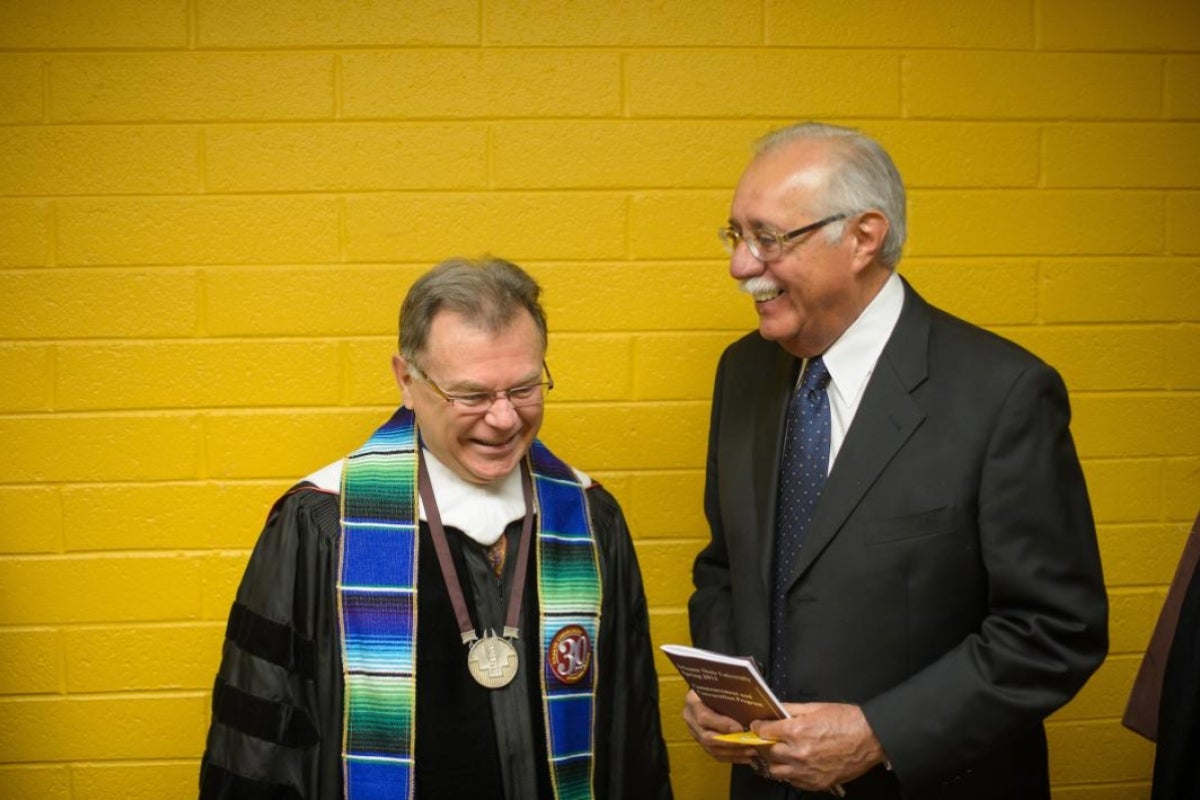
[277, 717]
[1176, 766]
[1141, 711]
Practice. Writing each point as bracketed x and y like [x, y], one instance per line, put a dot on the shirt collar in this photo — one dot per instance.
[852, 358]
[481, 511]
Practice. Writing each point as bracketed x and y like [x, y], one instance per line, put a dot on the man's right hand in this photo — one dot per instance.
[705, 724]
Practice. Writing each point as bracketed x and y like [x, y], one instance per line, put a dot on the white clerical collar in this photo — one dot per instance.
[481, 512]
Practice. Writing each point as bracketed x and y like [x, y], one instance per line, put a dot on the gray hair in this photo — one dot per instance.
[488, 293]
[863, 178]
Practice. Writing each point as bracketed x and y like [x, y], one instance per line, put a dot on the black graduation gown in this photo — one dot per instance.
[1176, 766]
[276, 728]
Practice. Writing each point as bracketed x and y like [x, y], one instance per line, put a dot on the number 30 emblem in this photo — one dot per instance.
[570, 654]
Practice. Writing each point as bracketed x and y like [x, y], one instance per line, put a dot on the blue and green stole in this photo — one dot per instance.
[377, 607]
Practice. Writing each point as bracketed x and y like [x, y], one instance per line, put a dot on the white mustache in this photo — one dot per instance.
[760, 286]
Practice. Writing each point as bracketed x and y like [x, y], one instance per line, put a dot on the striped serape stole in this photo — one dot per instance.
[569, 593]
[378, 605]
[378, 611]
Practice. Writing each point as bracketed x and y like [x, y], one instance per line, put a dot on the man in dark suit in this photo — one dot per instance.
[941, 592]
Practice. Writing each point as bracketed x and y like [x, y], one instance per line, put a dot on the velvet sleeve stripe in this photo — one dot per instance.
[217, 783]
[265, 719]
[270, 640]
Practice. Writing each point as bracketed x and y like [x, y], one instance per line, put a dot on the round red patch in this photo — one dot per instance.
[570, 654]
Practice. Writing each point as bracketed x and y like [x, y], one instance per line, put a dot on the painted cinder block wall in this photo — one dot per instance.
[210, 209]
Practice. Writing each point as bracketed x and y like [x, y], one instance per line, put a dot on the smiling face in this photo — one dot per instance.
[461, 358]
[815, 289]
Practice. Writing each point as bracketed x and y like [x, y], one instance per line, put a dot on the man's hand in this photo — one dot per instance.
[821, 746]
[704, 724]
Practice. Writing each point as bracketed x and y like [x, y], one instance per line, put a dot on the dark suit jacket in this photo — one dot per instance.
[949, 582]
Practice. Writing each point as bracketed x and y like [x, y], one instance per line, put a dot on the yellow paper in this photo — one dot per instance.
[743, 737]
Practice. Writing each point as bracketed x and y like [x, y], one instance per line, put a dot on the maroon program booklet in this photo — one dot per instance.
[729, 685]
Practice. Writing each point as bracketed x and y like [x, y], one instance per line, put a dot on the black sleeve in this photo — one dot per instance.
[276, 707]
[1176, 768]
[631, 756]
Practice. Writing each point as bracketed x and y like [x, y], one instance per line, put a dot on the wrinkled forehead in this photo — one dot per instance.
[460, 340]
[788, 179]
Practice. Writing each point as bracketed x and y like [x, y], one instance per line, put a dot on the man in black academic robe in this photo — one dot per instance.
[278, 703]
[278, 697]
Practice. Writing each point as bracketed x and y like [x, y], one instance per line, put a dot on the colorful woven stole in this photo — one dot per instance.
[569, 599]
[377, 604]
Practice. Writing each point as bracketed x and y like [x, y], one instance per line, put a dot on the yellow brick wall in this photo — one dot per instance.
[210, 209]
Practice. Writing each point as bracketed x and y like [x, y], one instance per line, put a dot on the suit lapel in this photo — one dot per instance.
[767, 450]
[886, 418]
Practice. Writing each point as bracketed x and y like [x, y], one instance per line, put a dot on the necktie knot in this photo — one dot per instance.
[816, 376]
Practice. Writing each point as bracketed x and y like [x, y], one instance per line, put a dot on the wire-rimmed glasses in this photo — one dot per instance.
[529, 394]
[766, 245]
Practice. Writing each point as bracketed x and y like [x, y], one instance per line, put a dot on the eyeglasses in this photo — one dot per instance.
[530, 394]
[768, 245]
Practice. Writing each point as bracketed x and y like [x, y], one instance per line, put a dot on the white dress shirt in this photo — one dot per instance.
[852, 358]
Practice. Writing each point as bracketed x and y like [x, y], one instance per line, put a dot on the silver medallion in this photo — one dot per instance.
[492, 661]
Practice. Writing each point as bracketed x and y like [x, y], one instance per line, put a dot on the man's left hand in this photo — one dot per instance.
[820, 747]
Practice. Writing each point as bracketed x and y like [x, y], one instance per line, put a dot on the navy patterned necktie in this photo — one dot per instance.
[801, 478]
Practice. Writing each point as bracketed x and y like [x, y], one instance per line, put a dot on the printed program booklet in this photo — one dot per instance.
[729, 685]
